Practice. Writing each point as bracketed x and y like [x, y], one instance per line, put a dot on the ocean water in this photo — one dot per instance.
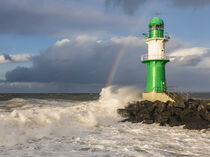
[88, 126]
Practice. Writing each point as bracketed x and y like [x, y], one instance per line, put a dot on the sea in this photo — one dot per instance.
[87, 125]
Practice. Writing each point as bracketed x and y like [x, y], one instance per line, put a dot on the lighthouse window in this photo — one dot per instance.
[156, 27]
[161, 27]
[153, 27]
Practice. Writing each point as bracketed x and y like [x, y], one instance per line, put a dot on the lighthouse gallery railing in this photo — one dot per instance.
[166, 57]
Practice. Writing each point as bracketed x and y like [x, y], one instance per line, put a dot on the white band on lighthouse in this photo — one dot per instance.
[156, 48]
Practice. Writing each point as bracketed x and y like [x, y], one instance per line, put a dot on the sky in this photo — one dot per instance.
[81, 46]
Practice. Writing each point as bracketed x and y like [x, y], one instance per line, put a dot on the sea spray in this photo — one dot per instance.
[35, 119]
[52, 128]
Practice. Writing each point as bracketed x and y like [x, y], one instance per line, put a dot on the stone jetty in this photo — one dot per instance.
[193, 114]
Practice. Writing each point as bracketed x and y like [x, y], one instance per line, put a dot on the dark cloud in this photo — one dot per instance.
[191, 3]
[50, 17]
[86, 61]
[187, 78]
[129, 6]
[66, 18]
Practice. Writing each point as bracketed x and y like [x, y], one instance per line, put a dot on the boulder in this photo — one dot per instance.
[194, 114]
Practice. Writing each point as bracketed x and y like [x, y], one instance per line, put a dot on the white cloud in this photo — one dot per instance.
[15, 58]
[190, 51]
[195, 57]
[128, 40]
[62, 42]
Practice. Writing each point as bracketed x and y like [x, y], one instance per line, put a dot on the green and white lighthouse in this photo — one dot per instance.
[155, 60]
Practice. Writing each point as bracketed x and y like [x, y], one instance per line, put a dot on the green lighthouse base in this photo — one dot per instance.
[154, 96]
[156, 81]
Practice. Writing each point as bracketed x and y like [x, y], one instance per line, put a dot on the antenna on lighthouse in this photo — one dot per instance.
[156, 13]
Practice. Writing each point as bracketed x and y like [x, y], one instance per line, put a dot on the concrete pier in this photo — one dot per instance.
[154, 96]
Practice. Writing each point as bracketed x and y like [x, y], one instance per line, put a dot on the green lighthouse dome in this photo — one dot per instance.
[156, 21]
[156, 28]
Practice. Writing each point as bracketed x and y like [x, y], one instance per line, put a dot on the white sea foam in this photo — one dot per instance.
[34, 127]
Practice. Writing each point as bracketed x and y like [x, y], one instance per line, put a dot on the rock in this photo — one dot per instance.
[194, 114]
[201, 107]
[161, 107]
[174, 120]
[205, 115]
[123, 112]
[148, 121]
[208, 106]
[193, 104]
[177, 104]
[165, 116]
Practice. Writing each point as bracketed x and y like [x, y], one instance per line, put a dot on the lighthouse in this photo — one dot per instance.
[155, 60]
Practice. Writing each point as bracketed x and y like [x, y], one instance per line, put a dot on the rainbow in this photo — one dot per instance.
[122, 49]
[115, 65]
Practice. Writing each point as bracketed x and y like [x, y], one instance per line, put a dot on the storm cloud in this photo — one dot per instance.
[84, 60]
[191, 3]
[129, 6]
[53, 18]
[87, 60]
[67, 19]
